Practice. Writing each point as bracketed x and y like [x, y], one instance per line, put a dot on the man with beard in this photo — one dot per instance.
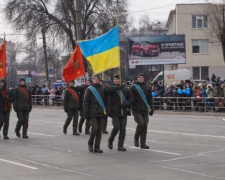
[6, 97]
[141, 108]
[118, 111]
[22, 105]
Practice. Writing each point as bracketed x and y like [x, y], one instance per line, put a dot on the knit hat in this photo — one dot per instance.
[141, 74]
[117, 76]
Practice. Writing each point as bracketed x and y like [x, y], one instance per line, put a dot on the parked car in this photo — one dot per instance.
[144, 48]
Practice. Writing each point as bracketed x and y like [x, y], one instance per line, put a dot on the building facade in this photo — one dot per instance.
[203, 54]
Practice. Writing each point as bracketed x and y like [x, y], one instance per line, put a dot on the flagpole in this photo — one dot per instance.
[5, 50]
[120, 73]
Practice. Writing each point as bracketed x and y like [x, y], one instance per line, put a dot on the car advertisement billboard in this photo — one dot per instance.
[156, 50]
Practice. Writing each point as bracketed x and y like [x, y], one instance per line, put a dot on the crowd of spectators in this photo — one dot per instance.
[206, 95]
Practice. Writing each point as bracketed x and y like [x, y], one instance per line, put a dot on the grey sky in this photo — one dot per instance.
[156, 9]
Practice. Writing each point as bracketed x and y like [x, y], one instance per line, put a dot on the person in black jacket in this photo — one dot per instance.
[141, 111]
[71, 106]
[6, 98]
[118, 110]
[93, 110]
[22, 104]
[82, 118]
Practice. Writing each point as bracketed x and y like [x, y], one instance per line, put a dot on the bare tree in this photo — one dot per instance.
[216, 12]
[59, 17]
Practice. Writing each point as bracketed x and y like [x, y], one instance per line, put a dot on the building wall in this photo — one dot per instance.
[183, 24]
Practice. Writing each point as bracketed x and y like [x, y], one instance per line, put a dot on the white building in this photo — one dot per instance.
[203, 55]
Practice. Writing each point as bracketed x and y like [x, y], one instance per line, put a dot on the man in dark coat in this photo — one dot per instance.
[118, 110]
[6, 98]
[22, 105]
[141, 109]
[71, 106]
[96, 112]
[82, 118]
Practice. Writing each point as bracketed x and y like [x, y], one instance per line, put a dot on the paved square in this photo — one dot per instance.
[189, 146]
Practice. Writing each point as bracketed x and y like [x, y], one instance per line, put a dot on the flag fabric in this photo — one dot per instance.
[3, 60]
[75, 66]
[103, 52]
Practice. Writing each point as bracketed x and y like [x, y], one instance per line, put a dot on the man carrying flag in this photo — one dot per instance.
[73, 69]
[3, 60]
[94, 109]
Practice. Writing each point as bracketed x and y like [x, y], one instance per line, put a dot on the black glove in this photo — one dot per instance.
[151, 113]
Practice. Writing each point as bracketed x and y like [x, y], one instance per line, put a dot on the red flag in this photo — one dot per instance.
[75, 66]
[3, 60]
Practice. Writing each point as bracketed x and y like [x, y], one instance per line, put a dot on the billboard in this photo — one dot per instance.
[156, 50]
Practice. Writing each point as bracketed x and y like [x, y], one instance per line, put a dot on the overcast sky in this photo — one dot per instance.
[156, 9]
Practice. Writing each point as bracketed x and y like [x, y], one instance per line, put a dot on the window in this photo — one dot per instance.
[199, 22]
[200, 73]
[200, 46]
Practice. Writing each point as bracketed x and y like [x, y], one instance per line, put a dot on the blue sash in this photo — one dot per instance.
[123, 98]
[142, 96]
[98, 97]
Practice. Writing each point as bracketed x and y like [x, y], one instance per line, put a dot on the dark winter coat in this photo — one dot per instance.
[5, 102]
[138, 106]
[20, 101]
[69, 101]
[114, 107]
[91, 106]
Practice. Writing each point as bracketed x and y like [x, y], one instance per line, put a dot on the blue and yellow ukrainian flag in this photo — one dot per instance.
[103, 52]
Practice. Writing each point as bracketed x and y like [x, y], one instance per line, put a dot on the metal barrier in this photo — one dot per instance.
[162, 103]
[189, 103]
[47, 100]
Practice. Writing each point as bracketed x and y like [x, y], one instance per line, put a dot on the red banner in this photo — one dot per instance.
[3, 60]
[75, 66]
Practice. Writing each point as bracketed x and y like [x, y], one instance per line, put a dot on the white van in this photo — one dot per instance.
[174, 76]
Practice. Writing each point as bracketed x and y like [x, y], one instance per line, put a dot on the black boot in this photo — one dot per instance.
[97, 150]
[110, 144]
[121, 148]
[136, 143]
[90, 148]
[80, 128]
[76, 133]
[64, 129]
[25, 136]
[17, 133]
[6, 137]
[144, 146]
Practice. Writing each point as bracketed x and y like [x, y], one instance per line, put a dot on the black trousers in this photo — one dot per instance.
[23, 120]
[96, 132]
[81, 122]
[119, 124]
[142, 126]
[105, 123]
[72, 114]
[4, 121]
